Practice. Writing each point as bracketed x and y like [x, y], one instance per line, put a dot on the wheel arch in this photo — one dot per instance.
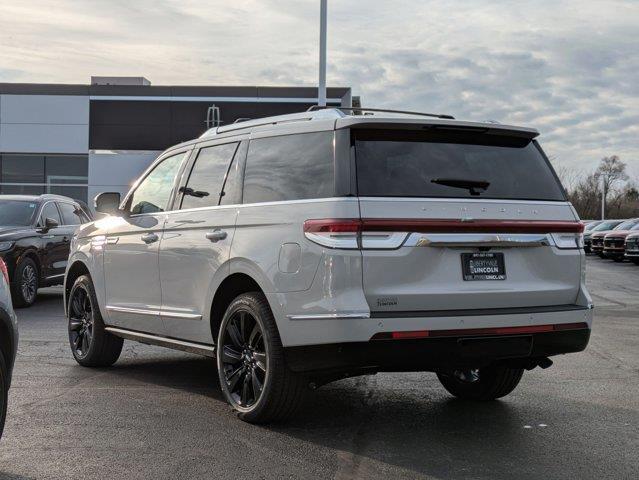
[75, 270]
[232, 286]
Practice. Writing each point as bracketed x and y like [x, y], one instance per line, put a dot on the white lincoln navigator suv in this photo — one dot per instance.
[305, 248]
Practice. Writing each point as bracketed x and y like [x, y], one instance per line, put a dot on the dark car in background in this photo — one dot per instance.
[631, 251]
[597, 234]
[35, 235]
[588, 228]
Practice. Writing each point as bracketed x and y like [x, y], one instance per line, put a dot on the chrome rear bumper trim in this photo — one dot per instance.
[465, 240]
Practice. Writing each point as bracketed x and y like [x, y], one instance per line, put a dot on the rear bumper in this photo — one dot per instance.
[432, 354]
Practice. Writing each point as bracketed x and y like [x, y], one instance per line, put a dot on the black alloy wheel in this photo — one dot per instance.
[29, 283]
[91, 344]
[244, 359]
[80, 321]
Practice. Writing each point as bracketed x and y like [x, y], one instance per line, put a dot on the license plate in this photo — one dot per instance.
[483, 266]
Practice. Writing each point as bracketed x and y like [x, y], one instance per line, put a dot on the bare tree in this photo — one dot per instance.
[613, 172]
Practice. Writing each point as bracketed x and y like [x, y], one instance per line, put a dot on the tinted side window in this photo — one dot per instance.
[50, 211]
[207, 176]
[291, 167]
[71, 215]
[153, 192]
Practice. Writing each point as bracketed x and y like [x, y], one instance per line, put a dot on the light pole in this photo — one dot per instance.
[321, 94]
[603, 195]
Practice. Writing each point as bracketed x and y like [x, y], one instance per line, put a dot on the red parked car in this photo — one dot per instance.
[600, 231]
[614, 242]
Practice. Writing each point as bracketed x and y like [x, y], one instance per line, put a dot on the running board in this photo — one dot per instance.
[197, 348]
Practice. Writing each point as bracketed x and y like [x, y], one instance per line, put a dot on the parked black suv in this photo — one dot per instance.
[35, 235]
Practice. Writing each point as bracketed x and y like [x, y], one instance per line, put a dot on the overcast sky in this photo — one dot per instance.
[568, 68]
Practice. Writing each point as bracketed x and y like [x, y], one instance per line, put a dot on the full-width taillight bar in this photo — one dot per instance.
[390, 233]
[442, 226]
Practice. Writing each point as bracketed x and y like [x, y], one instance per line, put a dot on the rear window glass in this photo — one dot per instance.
[290, 167]
[447, 163]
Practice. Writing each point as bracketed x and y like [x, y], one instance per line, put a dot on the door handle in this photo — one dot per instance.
[150, 238]
[216, 235]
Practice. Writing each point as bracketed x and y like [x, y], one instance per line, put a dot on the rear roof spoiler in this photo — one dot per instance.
[437, 124]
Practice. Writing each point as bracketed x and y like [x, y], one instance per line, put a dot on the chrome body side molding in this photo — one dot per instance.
[144, 311]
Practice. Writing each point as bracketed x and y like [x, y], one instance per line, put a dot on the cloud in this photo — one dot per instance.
[568, 68]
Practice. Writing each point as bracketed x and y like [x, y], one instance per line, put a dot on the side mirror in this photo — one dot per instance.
[49, 223]
[107, 202]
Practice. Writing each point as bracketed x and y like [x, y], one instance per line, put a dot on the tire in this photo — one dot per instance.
[635, 261]
[493, 382]
[24, 288]
[91, 344]
[4, 392]
[618, 259]
[253, 373]
[601, 255]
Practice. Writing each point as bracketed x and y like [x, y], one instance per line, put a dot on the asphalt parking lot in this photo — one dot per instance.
[159, 414]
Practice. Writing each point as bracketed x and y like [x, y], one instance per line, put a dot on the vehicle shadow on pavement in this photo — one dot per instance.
[192, 374]
[425, 431]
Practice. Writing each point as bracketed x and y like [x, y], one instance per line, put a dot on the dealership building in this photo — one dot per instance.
[79, 140]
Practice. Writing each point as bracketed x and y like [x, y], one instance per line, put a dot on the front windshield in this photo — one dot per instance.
[590, 226]
[17, 212]
[627, 225]
[605, 226]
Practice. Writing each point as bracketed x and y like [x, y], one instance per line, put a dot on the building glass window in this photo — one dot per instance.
[37, 174]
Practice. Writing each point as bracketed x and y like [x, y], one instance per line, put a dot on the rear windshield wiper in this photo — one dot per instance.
[473, 186]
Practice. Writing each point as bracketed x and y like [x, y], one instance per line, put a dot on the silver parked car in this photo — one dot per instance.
[8, 340]
[304, 248]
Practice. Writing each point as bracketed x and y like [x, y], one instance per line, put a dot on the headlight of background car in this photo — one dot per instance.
[4, 246]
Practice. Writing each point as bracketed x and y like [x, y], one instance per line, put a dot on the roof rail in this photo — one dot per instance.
[242, 119]
[382, 110]
[274, 120]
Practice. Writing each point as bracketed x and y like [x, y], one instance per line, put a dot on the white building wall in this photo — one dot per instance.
[44, 123]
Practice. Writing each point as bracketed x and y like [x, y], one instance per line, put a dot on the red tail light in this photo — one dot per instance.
[377, 233]
[3, 269]
[526, 329]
